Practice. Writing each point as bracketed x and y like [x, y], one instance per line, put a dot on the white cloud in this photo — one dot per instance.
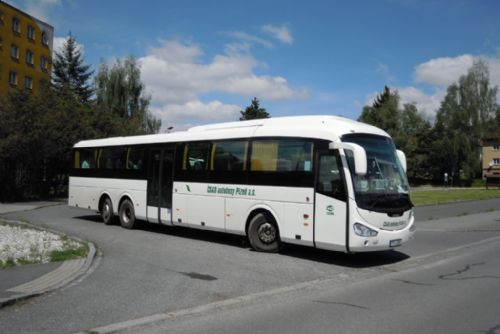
[281, 33]
[197, 110]
[383, 69]
[443, 71]
[428, 104]
[243, 36]
[439, 73]
[177, 78]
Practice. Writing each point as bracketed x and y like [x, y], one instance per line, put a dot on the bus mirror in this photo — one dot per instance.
[402, 159]
[359, 153]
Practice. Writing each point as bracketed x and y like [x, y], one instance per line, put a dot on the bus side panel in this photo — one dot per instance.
[298, 227]
[206, 211]
[81, 194]
[237, 210]
[179, 208]
[85, 192]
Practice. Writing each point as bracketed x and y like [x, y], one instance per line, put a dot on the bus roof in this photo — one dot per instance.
[320, 127]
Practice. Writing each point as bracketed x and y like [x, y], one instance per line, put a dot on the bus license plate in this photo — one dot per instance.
[395, 243]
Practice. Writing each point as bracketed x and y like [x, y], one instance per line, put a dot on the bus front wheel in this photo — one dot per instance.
[127, 214]
[263, 233]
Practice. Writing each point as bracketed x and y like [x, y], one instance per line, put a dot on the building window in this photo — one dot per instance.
[16, 25]
[44, 65]
[1, 17]
[14, 51]
[45, 39]
[13, 78]
[496, 161]
[496, 147]
[30, 58]
[31, 33]
[28, 82]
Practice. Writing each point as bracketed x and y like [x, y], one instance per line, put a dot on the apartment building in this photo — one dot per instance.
[491, 157]
[25, 50]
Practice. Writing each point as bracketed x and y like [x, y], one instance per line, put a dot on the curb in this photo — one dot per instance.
[66, 273]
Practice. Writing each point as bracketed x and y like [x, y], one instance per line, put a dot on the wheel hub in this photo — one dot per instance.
[267, 233]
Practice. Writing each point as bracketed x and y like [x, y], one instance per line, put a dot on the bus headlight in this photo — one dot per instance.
[364, 231]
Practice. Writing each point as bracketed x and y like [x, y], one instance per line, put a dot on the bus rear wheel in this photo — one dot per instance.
[263, 234]
[127, 214]
[107, 214]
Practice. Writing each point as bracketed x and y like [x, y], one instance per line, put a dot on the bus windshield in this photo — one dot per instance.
[384, 188]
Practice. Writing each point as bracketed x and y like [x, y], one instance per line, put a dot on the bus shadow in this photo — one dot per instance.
[356, 260]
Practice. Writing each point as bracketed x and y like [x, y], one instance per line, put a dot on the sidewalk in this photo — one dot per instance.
[26, 281]
[24, 206]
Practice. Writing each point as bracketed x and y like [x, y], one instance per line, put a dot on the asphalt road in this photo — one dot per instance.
[196, 281]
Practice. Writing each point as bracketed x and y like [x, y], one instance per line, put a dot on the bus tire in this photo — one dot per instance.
[263, 233]
[127, 214]
[107, 215]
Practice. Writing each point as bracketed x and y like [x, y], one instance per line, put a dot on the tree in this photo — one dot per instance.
[384, 112]
[466, 115]
[69, 71]
[408, 128]
[37, 132]
[119, 91]
[413, 138]
[253, 111]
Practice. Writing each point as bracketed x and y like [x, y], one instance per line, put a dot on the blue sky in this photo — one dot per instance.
[203, 61]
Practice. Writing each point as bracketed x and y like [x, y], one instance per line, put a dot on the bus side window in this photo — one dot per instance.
[84, 158]
[229, 156]
[196, 156]
[284, 155]
[112, 158]
[135, 158]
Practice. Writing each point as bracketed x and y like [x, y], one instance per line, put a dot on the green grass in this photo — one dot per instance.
[7, 264]
[69, 254]
[452, 195]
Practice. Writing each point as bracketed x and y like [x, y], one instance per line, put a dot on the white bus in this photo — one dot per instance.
[322, 181]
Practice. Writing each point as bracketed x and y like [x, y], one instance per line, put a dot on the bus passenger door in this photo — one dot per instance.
[160, 185]
[330, 218]
[154, 185]
[166, 184]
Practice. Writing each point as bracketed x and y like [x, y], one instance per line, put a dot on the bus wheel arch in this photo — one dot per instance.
[126, 213]
[262, 231]
[106, 209]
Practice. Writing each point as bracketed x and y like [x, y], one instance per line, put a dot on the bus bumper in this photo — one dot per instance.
[384, 240]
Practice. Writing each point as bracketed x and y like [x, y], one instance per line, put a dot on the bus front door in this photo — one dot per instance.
[160, 182]
[330, 218]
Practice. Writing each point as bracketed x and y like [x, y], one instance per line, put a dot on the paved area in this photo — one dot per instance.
[22, 282]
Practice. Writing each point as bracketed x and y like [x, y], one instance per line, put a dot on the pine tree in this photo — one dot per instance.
[384, 112]
[69, 71]
[254, 111]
